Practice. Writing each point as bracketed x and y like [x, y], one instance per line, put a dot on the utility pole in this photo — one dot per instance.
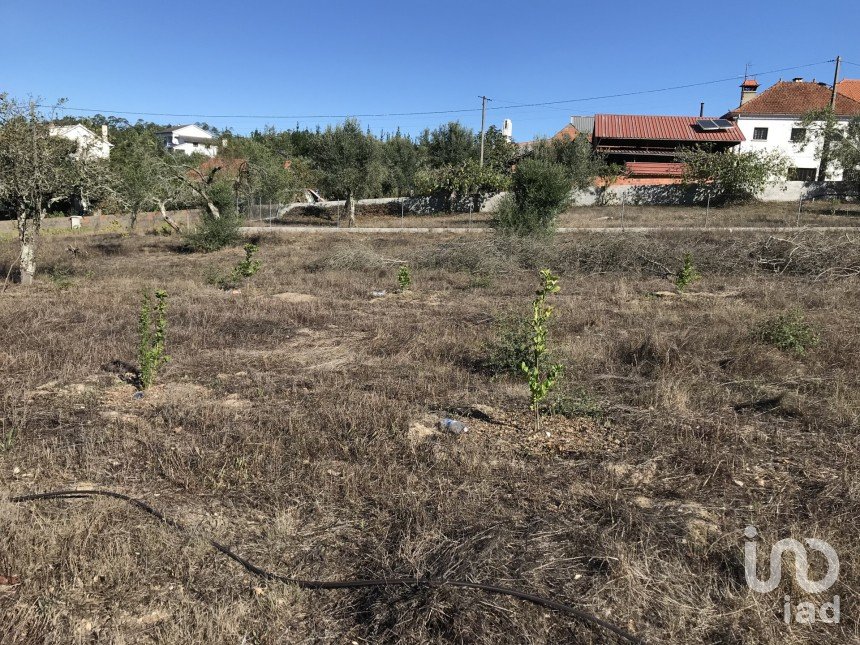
[835, 81]
[825, 143]
[484, 100]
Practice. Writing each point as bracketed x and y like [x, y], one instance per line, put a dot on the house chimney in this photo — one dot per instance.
[748, 90]
[105, 133]
[701, 109]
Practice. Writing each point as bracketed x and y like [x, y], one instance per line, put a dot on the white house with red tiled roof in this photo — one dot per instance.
[770, 121]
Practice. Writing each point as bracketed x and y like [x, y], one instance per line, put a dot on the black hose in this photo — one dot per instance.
[336, 584]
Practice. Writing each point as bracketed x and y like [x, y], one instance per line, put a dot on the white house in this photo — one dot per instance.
[189, 139]
[87, 141]
[771, 121]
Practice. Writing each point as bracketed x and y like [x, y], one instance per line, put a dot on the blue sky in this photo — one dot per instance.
[262, 57]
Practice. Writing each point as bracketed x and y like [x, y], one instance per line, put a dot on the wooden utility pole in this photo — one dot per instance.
[835, 81]
[825, 144]
[484, 100]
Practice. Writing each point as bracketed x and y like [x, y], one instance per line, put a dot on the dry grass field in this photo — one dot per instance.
[295, 423]
[769, 214]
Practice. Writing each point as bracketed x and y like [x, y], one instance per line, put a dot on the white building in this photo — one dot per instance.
[87, 141]
[771, 121]
[189, 139]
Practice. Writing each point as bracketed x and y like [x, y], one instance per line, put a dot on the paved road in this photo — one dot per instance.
[484, 230]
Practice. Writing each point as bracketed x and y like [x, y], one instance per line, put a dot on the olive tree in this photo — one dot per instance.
[575, 155]
[727, 176]
[464, 179]
[350, 163]
[403, 160]
[837, 145]
[36, 171]
[451, 144]
[540, 190]
[142, 177]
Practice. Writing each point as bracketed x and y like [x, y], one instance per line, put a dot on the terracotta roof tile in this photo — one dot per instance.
[567, 131]
[850, 87]
[797, 98]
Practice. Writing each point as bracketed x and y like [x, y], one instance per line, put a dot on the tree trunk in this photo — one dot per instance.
[28, 233]
[213, 209]
[167, 218]
[132, 220]
[350, 208]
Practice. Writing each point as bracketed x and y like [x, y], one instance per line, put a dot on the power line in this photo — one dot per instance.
[662, 89]
[429, 112]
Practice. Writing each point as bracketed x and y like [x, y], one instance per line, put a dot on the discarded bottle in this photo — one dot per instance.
[452, 425]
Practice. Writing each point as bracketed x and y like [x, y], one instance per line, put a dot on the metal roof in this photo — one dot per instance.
[660, 128]
[654, 169]
[583, 124]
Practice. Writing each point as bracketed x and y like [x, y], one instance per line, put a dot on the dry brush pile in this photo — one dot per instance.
[294, 422]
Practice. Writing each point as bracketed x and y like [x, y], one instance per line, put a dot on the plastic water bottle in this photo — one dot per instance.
[452, 425]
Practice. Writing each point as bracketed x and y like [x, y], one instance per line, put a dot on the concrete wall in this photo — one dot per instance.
[679, 195]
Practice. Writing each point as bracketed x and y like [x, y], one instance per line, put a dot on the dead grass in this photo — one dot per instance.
[295, 423]
[770, 214]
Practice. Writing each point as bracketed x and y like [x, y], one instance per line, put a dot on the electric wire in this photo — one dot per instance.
[427, 582]
[428, 112]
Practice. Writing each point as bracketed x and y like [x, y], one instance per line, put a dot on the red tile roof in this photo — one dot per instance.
[789, 98]
[750, 82]
[567, 131]
[850, 87]
[654, 169]
[660, 128]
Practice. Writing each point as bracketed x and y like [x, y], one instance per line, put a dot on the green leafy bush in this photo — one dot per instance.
[789, 332]
[540, 190]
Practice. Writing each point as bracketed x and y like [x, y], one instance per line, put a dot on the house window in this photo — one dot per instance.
[802, 174]
[760, 134]
[798, 134]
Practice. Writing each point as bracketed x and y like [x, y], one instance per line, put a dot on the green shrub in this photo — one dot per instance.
[151, 340]
[540, 190]
[687, 274]
[246, 268]
[540, 373]
[404, 279]
[788, 332]
[214, 233]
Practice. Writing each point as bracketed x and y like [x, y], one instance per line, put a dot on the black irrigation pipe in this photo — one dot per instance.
[431, 583]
